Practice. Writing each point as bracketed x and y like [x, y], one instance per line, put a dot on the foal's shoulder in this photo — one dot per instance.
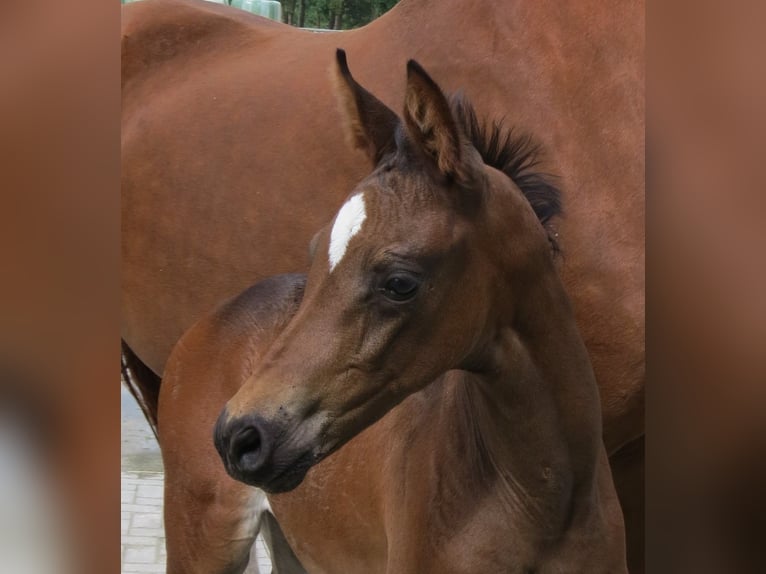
[265, 306]
[219, 352]
[235, 333]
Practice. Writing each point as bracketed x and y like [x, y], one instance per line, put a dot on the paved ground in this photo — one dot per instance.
[141, 478]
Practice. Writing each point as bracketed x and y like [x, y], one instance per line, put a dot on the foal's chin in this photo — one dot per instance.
[283, 475]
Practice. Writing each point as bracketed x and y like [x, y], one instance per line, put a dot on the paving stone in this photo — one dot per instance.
[131, 540]
[153, 532]
[149, 491]
[129, 568]
[141, 554]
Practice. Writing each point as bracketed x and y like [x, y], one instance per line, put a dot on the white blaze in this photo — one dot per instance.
[347, 224]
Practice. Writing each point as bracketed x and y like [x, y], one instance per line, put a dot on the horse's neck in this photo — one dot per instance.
[527, 430]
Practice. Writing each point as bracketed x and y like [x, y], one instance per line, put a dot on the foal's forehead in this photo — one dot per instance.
[388, 212]
[350, 219]
[347, 224]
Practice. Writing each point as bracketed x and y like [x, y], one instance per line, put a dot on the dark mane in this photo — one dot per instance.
[513, 153]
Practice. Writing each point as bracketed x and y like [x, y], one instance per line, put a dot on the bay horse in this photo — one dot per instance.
[423, 401]
[222, 186]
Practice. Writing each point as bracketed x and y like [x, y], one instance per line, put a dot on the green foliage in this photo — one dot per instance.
[334, 14]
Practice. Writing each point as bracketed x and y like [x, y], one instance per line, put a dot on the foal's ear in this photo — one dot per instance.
[430, 122]
[370, 123]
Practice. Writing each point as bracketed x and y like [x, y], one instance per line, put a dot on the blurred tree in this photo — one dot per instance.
[333, 14]
[288, 11]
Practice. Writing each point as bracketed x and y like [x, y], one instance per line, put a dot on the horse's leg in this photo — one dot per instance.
[210, 526]
[211, 520]
[628, 475]
[283, 559]
[142, 383]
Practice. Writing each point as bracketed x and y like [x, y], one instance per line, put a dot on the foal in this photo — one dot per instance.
[435, 341]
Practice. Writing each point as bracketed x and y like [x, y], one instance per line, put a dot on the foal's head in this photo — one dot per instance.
[428, 257]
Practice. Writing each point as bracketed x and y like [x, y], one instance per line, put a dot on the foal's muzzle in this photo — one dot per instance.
[243, 444]
[246, 447]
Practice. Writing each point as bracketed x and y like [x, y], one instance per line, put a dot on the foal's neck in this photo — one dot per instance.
[532, 414]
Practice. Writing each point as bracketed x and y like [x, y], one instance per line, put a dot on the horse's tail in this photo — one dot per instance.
[143, 384]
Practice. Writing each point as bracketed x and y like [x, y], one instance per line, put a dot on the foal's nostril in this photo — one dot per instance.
[245, 447]
[242, 445]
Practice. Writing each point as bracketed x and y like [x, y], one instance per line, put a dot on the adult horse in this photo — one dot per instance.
[231, 161]
[487, 455]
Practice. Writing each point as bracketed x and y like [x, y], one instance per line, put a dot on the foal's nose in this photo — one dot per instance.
[243, 445]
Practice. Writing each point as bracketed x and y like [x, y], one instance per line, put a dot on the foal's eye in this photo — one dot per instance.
[400, 287]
